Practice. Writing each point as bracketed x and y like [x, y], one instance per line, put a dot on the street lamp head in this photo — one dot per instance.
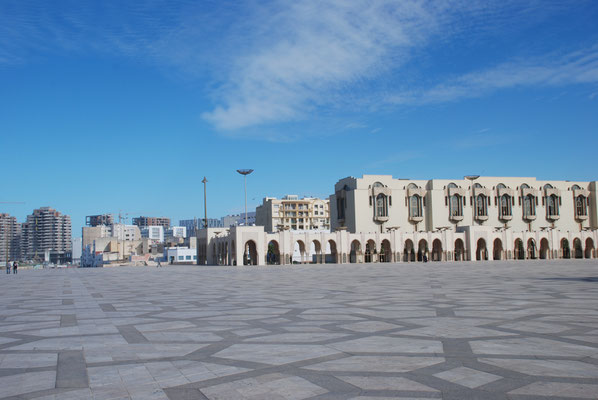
[204, 180]
[244, 171]
[472, 177]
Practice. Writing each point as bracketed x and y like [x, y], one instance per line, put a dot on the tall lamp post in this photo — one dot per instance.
[472, 178]
[245, 172]
[205, 221]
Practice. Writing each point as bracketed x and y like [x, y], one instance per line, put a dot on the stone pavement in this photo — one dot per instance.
[520, 330]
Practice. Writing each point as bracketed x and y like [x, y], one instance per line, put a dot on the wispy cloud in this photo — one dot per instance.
[555, 70]
[266, 63]
[310, 52]
[316, 55]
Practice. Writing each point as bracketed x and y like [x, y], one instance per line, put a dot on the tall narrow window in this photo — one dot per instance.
[552, 205]
[505, 206]
[455, 206]
[480, 206]
[580, 206]
[381, 207]
[529, 206]
[415, 206]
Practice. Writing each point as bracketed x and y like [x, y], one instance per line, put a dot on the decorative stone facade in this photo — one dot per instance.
[380, 219]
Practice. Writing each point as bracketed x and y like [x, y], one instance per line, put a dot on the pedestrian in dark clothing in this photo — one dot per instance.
[8, 267]
[14, 267]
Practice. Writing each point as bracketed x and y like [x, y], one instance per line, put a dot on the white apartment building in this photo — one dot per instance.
[293, 213]
[155, 233]
[118, 231]
[176, 232]
[126, 232]
[180, 255]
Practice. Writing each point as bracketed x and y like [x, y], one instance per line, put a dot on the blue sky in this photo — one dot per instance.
[107, 107]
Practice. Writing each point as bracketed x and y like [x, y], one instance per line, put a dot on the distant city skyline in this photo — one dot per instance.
[125, 107]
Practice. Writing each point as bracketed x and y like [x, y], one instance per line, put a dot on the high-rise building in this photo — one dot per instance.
[293, 213]
[144, 222]
[236, 220]
[10, 231]
[191, 224]
[47, 234]
[103, 219]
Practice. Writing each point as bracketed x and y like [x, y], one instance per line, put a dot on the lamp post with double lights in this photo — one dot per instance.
[245, 172]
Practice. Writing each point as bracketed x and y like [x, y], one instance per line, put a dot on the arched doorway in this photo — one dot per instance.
[544, 249]
[459, 250]
[355, 256]
[436, 250]
[370, 251]
[422, 250]
[497, 249]
[519, 251]
[565, 250]
[589, 248]
[331, 255]
[578, 250]
[250, 253]
[233, 257]
[385, 251]
[273, 254]
[408, 252]
[481, 251]
[317, 251]
[531, 249]
[299, 252]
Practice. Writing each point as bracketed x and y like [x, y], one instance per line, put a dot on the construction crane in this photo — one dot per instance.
[6, 233]
[124, 216]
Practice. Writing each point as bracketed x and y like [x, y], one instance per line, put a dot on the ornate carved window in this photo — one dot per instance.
[381, 205]
[415, 206]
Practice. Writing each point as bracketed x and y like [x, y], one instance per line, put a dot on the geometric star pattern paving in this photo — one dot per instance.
[524, 330]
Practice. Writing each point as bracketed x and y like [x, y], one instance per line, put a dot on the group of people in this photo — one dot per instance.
[15, 266]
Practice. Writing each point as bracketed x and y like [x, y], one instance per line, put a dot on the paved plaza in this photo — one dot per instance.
[488, 330]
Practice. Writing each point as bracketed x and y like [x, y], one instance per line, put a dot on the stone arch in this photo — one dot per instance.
[317, 250]
[385, 251]
[532, 250]
[250, 253]
[519, 251]
[437, 250]
[481, 252]
[497, 249]
[565, 249]
[273, 254]
[589, 253]
[332, 256]
[422, 250]
[577, 248]
[544, 249]
[356, 253]
[408, 251]
[459, 250]
[299, 246]
[370, 251]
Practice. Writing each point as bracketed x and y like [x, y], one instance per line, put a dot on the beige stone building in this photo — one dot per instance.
[378, 218]
[293, 213]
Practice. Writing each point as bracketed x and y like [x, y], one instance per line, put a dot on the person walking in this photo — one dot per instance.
[8, 267]
[159, 265]
[14, 267]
